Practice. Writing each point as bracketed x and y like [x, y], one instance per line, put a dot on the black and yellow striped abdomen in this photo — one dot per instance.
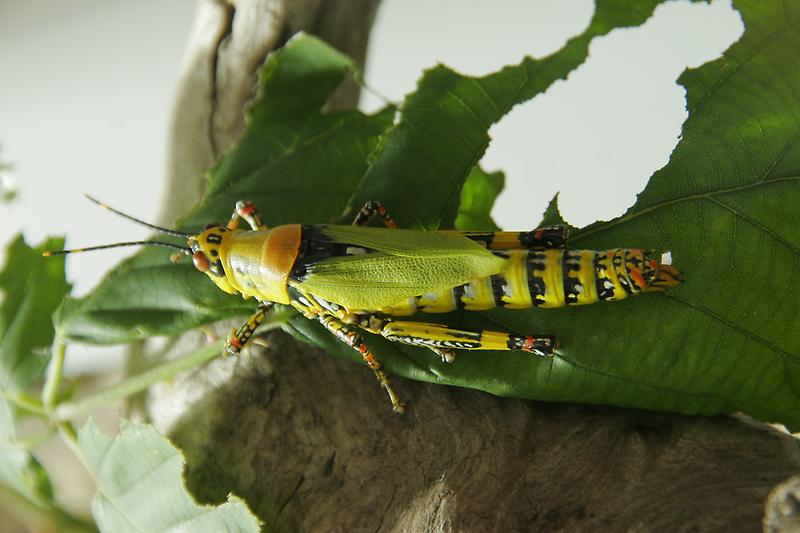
[550, 278]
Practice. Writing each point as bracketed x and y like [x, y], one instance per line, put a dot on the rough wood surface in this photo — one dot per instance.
[783, 507]
[309, 441]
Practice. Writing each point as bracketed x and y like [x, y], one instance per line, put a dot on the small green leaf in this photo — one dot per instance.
[295, 161]
[552, 215]
[18, 469]
[477, 199]
[33, 287]
[140, 486]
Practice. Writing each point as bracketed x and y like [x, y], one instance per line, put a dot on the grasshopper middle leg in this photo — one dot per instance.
[246, 210]
[355, 341]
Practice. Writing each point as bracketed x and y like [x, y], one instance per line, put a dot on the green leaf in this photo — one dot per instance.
[477, 198]
[140, 485]
[727, 206]
[295, 161]
[33, 287]
[18, 469]
[145, 295]
[552, 215]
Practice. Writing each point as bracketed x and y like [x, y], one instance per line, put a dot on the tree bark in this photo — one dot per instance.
[309, 441]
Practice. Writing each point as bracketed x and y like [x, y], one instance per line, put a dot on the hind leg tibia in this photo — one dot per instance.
[441, 338]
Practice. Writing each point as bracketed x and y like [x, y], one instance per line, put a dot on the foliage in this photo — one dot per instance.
[724, 205]
[33, 287]
[139, 463]
[19, 470]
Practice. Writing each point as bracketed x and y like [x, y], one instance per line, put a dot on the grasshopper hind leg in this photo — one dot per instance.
[371, 209]
[442, 340]
[542, 238]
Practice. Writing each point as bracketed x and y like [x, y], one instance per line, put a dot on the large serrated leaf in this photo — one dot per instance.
[140, 486]
[32, 287]
[421, 166]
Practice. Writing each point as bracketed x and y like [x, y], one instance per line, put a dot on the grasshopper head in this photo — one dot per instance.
[206, 255]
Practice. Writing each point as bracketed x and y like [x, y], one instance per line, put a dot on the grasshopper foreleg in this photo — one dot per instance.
[238, 338]
[246, 210]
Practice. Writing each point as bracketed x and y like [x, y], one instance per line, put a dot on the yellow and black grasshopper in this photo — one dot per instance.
[350, 277]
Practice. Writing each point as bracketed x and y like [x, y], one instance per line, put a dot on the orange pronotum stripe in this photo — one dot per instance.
[278, 254]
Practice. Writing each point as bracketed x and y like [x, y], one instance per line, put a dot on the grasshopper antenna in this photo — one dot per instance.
[182, 249]
[141, 222]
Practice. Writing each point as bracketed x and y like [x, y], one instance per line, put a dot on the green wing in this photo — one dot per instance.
[401, 264]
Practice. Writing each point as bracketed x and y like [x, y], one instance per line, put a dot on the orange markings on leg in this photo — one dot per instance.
[235, 342]
[528, 344]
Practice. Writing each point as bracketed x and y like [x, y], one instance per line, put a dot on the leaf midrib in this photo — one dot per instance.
[700, 196]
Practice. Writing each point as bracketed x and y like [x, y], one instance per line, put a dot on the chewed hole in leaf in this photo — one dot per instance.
[598, 137]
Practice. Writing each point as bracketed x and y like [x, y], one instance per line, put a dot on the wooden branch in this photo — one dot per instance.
[311, 443]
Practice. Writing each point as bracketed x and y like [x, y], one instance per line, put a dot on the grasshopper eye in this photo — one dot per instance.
[200, 262]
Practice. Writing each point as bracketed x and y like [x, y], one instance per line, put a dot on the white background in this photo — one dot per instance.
[85, 104]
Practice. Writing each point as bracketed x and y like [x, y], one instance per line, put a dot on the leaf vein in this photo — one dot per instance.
[757, 224]
[748, 334]
[699, 196]
[746, 59]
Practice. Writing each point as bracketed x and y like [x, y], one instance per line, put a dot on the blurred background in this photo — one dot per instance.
[85, 105]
